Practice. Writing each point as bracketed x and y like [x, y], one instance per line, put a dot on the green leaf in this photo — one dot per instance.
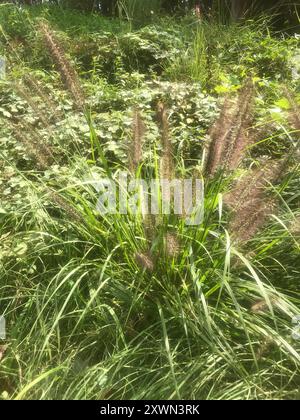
[283, 103]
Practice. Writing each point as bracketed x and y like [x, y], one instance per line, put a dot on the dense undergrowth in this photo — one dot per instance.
[114, 306]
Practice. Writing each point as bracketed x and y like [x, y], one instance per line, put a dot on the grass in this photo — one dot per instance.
[100, 306]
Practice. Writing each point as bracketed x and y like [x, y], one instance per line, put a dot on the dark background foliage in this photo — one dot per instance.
[285, 11]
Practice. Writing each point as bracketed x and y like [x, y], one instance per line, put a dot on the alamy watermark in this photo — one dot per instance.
[182, 197]
[2, 328]
[296, 328]
[2, 67]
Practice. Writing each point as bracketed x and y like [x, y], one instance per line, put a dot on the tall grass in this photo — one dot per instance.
[137, 11]
[88, 322]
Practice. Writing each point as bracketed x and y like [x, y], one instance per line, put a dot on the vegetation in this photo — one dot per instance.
[113, 306]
